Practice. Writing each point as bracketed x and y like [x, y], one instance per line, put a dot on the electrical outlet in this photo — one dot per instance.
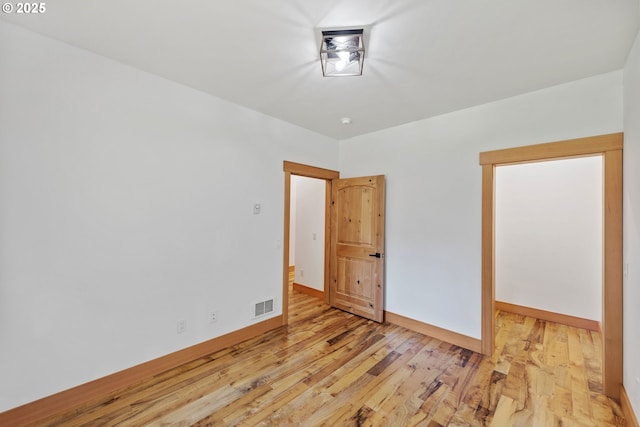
[213, 317]
[181, 326]
[301, 272]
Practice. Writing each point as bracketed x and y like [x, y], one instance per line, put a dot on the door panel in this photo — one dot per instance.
[356, 215]
[352, 275]
[357, 246]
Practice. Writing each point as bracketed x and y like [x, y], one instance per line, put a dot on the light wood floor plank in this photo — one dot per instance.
[332, 368]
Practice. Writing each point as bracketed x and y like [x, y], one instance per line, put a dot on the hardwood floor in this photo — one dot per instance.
[330, 368]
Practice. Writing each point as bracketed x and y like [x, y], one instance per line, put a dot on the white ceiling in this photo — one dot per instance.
[424, 57]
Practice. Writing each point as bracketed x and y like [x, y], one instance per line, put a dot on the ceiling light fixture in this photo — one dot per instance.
[342, 53]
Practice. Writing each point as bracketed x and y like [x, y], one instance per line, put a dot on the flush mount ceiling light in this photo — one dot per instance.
[342, 53]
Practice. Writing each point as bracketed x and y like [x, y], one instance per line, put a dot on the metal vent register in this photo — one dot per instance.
[262, 308]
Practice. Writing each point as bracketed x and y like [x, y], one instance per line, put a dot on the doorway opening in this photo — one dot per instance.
[292, 169]
[549, 240]
[610, 148]
[307, 235]
[353, 241]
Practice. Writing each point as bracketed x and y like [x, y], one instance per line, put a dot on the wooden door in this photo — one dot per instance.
[357, 246]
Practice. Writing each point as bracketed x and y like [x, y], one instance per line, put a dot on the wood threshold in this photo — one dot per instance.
[307, 290]
[629, 416]
[591, 145]
[436, 332]
[550, 316]
[101, 388]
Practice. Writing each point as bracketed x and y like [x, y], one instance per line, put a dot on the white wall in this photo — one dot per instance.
[310, 222]
[631, 215]
[548, 236]
[127, 206]
[434, 188]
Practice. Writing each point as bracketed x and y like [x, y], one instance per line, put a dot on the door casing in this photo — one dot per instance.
[610, 148]
[291, 168]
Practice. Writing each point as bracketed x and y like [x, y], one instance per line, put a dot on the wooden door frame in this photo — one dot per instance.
[610, 148]
[291, 168]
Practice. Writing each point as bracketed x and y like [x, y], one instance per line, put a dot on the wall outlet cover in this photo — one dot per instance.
[181, 326]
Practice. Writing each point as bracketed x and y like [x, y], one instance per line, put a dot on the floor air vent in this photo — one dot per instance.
[263, 308]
